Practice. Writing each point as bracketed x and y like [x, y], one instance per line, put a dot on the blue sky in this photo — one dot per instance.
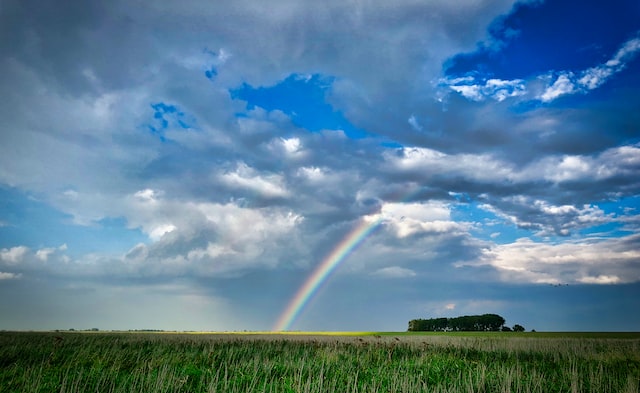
[168, 167]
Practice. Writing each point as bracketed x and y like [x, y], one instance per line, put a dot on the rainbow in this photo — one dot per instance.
[340, 252]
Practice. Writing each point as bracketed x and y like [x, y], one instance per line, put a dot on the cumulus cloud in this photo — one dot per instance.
[429, 163]
[409, 219]
[546, 219]
[526, 200]
[270, 186]
[13, 255]
[210, 237]
[613, 162]
[291, 148]
[588, 261]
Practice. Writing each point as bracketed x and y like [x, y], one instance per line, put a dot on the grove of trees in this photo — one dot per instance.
[478, 323]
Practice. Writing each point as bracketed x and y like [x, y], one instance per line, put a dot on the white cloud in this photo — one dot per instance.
[44, 253]
[9, 276]
[161, 230]
[601, 279]
[288, 148]
[246, 177]
[497, 89]
[209, 240]
[13, 255]
[312, 174]
[548, 219]
[430, 162]
[394, 272]
[616, 161]
[407, 219]
[561, 86]
[589, 261]
[421, 211]
[472, 92]
[594, 77]
[147, 195]
[556, 84]
[291, 145]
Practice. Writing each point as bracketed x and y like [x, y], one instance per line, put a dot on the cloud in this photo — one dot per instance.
[413, 122]
[561, 86]
[9, 276]
[420, 211]
[289, 147]
[228, 240]
[211, 238]
[270, 186]
[432, 163]
[587, 261]
[394, 272]
[593, 77]
[555, 84]
[611, 163]
[13, 255]
[497, 89]
[546, 219]
[601, 279]
[571, 83]
[44, 253]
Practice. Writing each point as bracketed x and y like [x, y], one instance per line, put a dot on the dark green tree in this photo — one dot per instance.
[466, 323]
[518, 328]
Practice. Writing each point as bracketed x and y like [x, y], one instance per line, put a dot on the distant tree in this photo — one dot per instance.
[518, 328]
[477, 323]
[506, 329]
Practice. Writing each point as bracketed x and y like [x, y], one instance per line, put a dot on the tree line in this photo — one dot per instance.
[467, 323]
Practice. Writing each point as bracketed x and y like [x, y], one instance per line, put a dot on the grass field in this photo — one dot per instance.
[308, 362]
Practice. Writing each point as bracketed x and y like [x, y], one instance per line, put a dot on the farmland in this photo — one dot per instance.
[315, 362]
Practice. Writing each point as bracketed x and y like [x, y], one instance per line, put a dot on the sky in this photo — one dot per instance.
[334, 165]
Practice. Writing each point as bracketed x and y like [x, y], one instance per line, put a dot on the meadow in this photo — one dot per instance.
[314, 362]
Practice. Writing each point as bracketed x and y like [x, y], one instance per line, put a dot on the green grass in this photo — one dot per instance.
[303, 362]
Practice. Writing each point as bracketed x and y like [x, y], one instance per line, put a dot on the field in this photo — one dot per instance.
[305, 362]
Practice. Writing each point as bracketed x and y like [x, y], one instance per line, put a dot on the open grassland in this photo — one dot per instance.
[305, 362]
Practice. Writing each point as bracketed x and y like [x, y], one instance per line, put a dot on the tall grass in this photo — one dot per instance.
[107, 362]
